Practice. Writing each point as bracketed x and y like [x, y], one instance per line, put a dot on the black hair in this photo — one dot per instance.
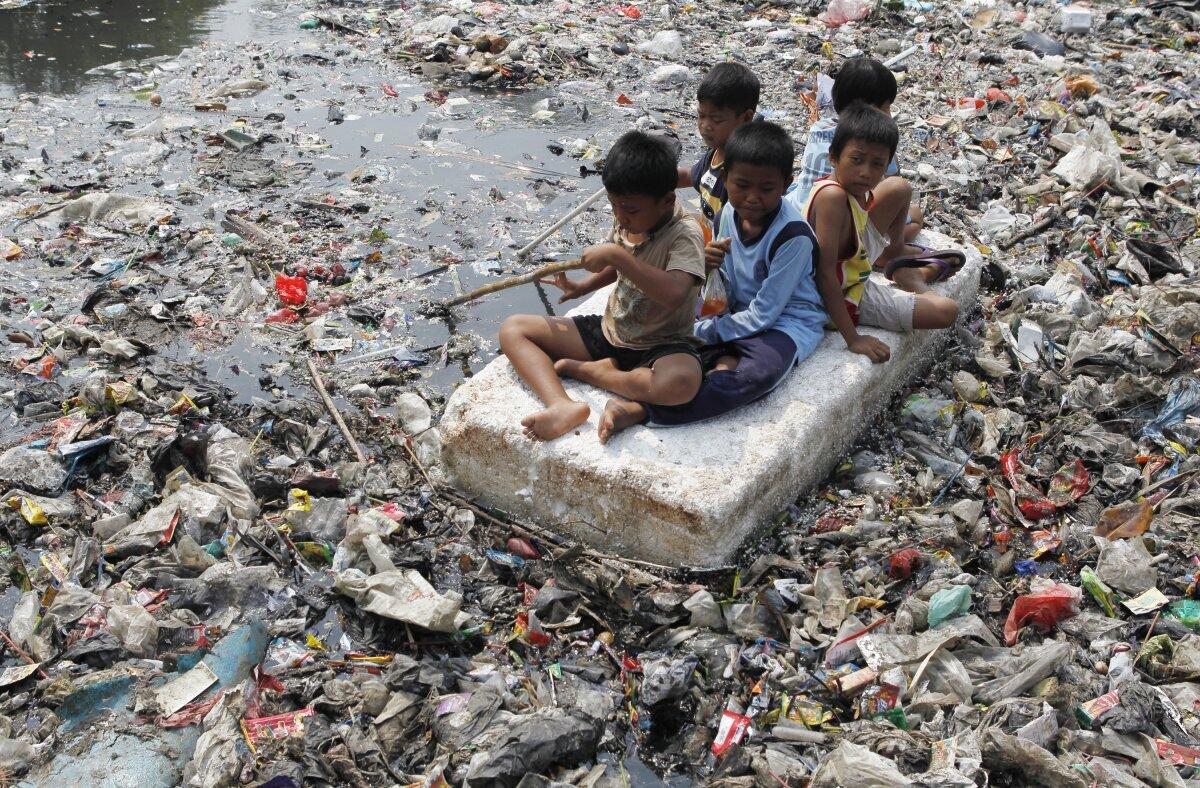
[761, 143]
[863, 122]
[640, 163]
[863, 79]
[730, 86]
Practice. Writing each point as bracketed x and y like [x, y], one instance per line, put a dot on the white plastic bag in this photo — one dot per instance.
[840, 12]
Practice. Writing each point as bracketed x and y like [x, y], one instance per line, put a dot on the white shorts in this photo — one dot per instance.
[875, 242]
[886, 306]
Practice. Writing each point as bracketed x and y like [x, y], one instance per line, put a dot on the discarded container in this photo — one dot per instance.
[1076, 19]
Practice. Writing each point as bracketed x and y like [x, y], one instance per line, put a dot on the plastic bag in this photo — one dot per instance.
[1125, 521]
[902, 563]
[854, 764]
[1030, 501]
[1044, 609]
[1186, 612]
[949, 603]
[840, 12]
[292, 290]
[996, 219]
[714, 298]
[1124, 564]
[135, 628]
[1183, 400]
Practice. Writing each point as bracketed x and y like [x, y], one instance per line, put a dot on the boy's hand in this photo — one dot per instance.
[715, 251]
[597, 258]
[569, 289]
[870, 347]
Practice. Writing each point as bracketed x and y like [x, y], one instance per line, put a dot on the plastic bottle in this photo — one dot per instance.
[1120, 666]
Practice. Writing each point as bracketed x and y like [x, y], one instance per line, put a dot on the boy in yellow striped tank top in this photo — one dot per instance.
[839, 210]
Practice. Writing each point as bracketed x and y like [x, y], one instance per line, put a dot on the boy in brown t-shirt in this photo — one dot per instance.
[642, 349]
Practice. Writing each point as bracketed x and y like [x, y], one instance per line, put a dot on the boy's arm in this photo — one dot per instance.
[666, 288]
[596, 281]
[590, 284]
[685, 179]
[832, 222]
[785, 271]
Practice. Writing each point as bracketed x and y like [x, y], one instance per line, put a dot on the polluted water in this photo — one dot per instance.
[231, 554]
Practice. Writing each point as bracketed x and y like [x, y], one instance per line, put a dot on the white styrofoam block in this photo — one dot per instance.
[684, 495]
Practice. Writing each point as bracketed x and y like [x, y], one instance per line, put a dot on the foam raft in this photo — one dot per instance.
[682, 495]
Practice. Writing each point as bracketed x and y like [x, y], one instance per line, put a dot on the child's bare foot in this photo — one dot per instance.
[556, 420]
[584, 371]
[619, 414]
[565, 367]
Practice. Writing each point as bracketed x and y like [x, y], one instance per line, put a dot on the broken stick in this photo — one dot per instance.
[552, 229]
[319, 385]
[513, 281]
[1029, 232]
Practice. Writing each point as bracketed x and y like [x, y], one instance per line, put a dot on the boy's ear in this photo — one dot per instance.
[747, 116]
[668, 200]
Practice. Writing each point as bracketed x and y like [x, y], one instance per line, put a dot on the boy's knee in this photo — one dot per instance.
[513, 327]
[756, 378]
[678, 386]
[898, 186]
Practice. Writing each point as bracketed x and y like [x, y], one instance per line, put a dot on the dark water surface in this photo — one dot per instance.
[49, 48]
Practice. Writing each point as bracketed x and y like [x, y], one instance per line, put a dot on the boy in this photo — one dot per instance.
[727, 98]
[644, 341]
[838, 208]
[860, 79]
[766, 254]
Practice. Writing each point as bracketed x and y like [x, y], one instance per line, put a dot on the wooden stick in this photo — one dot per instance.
[319, 385]
[248, 232]
[1028, 232]
[524, 251]
[513, 281]
[28, 659]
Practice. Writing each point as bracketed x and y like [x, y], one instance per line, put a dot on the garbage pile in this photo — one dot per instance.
[999, 586]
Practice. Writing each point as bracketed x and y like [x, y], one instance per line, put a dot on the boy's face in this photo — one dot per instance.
[715, 124]
[641, 213]
[754, 190]
[861, 166]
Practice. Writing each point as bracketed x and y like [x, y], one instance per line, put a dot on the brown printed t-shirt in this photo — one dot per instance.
[634, 320]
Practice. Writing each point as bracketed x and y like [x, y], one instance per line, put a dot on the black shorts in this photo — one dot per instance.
[598, 346]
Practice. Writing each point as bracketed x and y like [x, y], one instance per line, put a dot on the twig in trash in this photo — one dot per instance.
[337, 24]
[514, 281]
[319, 385]
[524, 251]
[1163, 482]
[41, 214]
[1028, 232]
[17, 649]
[537, 532]
[248, 232]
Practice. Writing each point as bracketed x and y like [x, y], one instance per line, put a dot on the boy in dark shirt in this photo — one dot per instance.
[726, 98]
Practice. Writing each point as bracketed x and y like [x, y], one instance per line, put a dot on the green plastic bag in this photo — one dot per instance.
[1186, 612]
[949, 603]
